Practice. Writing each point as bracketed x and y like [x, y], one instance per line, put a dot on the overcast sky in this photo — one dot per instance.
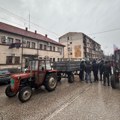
[57, 17]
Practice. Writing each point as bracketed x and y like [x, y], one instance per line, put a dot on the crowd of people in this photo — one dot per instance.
[101, 71]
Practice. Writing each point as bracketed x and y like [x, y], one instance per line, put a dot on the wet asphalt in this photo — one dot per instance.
[77, 101]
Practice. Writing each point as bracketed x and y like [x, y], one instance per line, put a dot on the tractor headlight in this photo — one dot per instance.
[12, 82]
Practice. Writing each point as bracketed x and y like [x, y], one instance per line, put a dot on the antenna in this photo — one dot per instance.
[29, 19]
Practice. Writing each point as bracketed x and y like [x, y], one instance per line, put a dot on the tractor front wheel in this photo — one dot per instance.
[25, 94]
[9, 92]
[51, 82]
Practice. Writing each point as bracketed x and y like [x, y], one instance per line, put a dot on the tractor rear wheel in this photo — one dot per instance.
[25, 94]
[51, 82]
[70, 78]
[9, 92]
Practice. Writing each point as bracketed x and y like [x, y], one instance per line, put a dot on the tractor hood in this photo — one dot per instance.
[22, 75]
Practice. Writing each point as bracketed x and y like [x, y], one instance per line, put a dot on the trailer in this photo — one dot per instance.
[67, 69]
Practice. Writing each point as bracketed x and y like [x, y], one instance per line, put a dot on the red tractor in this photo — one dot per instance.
[115, 79]
[39, 73]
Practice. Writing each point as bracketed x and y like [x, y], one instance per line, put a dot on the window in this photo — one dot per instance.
[53, 59]
[10, 40]
[70, 42]
[17, 41]
[33, 45]
[3, 39]
[9, 60]
[67, 38]
[60, 51]
[41, 46]
[45, 47]
[40, 58]
[28, 44]
[53, 48]
[50, 48]
[17, 60]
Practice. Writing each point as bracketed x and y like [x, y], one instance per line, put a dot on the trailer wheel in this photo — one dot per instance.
[59, 77]
[113, 83]
[9, 92]
[25, 94]
[51, 82]
[70, 78]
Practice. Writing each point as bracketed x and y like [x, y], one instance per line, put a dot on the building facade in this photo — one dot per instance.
[80, 46]
[18, 45]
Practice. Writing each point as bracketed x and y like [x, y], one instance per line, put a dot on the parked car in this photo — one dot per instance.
[5, 76]
[6, 73]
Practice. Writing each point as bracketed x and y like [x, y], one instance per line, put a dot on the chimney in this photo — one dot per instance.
[35, 31]
[46, 35]
[26, 29]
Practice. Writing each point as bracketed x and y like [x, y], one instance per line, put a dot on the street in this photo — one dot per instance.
[77, 101]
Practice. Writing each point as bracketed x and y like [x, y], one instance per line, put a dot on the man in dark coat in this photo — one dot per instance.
[101, 69]
[82, 69]
[88, 68]
[95, 70]
[106, 72]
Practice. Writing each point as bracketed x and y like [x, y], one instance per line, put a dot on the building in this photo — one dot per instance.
[79, 46]
[17, 45]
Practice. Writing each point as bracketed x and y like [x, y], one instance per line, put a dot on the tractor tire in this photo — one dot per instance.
[113, 83]
[25, 94]
[9, 92]
[51, 82]
[70, 78]
[59, 77]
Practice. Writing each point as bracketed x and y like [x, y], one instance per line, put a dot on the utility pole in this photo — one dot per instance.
[22, 54]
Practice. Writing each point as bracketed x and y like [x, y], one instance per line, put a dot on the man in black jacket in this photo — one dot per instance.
[82, 69]
[101, 69]
[106, 72]
[88, 68]
[95, 70]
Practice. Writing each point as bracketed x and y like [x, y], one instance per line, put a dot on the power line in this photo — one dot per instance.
[116, 29]
[25, 20]
[38, 26]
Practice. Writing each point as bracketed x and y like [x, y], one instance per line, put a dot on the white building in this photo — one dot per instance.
[29, 44]
[79, 46]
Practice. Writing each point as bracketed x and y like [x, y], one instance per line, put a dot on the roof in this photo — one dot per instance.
[19, 31]
[72, 33]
